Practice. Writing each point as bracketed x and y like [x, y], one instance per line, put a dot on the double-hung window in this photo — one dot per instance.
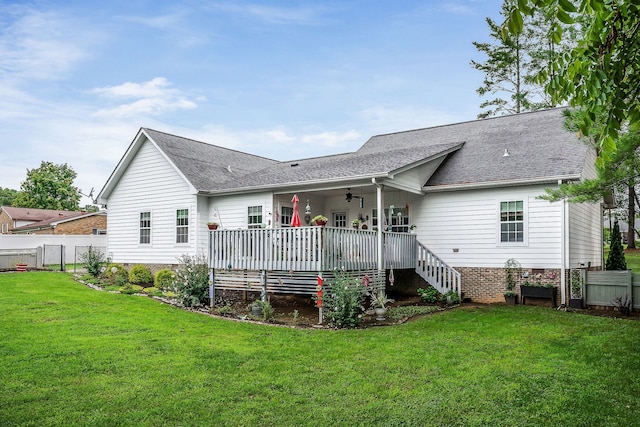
[254, 217]
[182, 226]
[512, 221]
[145, 227]
[286, 213]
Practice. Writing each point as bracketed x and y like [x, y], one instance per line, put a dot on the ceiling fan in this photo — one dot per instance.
[349, 196]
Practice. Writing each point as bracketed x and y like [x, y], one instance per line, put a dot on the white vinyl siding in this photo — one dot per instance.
[150, 184]
[461, 227]
[585, 235]
[231, 211]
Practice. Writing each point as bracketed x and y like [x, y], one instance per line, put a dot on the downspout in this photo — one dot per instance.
[380, 207]
[565, 251]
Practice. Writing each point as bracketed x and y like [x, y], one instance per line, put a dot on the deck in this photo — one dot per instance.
[288, 260]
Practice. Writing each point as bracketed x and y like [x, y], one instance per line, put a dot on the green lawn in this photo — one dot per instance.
[71, 356]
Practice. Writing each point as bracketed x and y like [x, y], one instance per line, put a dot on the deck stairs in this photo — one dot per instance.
[436, 272]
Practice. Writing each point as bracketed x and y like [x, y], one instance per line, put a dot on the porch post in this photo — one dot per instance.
[380, 207]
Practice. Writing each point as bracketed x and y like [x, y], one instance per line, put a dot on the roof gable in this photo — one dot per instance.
[538, 145]
[201, 165]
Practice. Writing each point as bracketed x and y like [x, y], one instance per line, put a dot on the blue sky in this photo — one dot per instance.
[281, 79]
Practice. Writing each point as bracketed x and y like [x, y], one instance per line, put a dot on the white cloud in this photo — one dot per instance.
[385, 119]
[152, 97]
[41, 45]
[275, 15]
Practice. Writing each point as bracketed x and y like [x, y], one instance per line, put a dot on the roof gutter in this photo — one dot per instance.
[320, 184]
[493, 184]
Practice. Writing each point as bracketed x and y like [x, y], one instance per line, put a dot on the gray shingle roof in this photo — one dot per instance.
[337, 167]
[206, 165]
[538, 145]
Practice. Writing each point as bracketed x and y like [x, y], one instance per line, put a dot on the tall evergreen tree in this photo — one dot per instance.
[616, 260]
[512, 64]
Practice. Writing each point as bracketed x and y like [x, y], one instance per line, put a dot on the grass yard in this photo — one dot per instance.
[72, 356]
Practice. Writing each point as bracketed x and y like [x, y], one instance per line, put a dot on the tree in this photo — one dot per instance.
[49, 187]
[602, 72]
[616, 260]
[617, 174]
[7, 195]
[513, 63]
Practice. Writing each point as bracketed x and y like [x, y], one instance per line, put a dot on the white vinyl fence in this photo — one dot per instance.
[52, 249]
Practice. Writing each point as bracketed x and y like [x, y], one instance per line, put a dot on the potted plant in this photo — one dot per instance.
[320, 219]
[355, 223]
[213, 225]
[379, 302]
[257, 308]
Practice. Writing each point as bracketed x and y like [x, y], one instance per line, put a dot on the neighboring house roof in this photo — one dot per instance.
[538, 144]
[59, 218]
[36, 215]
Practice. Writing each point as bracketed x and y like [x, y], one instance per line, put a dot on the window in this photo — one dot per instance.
[399, 219]
[286, 213]
[340, 219]
[512, 221]
[145, 227]
[254, 217]
[182, 226]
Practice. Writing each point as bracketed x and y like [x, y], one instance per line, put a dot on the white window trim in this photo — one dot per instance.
[146, 245]
[262, 214]
[525, 221]
[175, 226]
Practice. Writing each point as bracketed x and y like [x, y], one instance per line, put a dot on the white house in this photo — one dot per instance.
[466, 194]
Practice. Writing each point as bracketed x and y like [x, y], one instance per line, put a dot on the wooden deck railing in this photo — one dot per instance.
[308, 249]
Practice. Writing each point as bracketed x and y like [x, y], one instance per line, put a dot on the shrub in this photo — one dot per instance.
[116, 274]
[140, 275]
[192, 280]
[450, 297]
[429, 294]
[164, 279]
[93, 260]
[226, 309]
[343, 303]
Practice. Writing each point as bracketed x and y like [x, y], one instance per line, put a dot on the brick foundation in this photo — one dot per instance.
[487, 285]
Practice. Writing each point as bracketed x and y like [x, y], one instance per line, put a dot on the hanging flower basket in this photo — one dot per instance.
[320, 220]
[212, 226]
